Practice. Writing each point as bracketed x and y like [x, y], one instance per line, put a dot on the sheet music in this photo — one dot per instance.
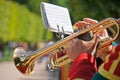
[54, 16]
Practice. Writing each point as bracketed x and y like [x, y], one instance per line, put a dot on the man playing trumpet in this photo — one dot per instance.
[83, 54]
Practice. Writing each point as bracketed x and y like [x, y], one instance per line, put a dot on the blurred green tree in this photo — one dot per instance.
[17, 23]
[22, 22]
[97, 9]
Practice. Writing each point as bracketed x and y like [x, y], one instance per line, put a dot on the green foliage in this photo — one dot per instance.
[97, 9]
[34, 5]
[21, 1]
[17, 23]
[65, 3]
[20, 20]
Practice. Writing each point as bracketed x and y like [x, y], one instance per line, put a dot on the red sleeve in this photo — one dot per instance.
[84, 66]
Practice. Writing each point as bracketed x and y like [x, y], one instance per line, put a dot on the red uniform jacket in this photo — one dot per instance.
[84, 66]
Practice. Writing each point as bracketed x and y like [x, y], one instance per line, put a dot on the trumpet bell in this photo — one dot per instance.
[25, 66]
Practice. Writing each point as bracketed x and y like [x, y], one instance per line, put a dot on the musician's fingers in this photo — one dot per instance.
[103, 33]
[103, 52]
[81, 24]
[90, 21]
[94, 43]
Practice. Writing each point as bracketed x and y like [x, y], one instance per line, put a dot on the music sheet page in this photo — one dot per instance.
[55, 16]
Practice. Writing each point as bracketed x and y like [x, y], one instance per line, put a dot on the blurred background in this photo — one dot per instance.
[21, 25]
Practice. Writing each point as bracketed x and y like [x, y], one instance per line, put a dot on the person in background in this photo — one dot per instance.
[83, 54]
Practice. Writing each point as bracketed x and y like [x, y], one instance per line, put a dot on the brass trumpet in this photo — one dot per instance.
[24, 59]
